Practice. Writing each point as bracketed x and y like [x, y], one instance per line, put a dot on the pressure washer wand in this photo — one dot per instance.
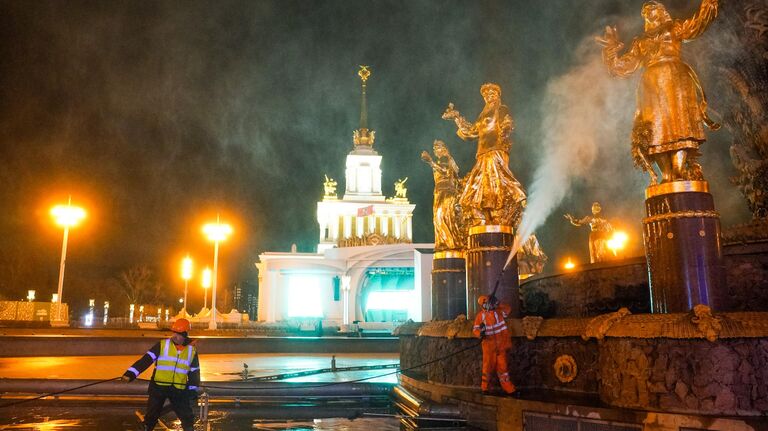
[512, 253]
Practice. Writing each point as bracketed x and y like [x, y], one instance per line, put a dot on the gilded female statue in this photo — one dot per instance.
[449, 233]
[491, 193]
[599, 232]
[671, 105]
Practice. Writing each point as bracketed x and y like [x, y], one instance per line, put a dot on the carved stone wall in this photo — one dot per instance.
[698, 362]
[746, 278]
[461, 369]
[729, 377]
[608, 287]
[531, 362]
[599, 289]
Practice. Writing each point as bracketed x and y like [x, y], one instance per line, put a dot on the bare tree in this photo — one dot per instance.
[20, 271]
[139, 285]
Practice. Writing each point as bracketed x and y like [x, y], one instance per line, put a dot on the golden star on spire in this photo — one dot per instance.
[364, 73]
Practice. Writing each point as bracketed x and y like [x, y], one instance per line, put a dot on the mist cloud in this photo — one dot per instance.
[585, 118]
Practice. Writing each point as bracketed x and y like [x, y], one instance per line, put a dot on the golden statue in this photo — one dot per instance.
[329, 186]
[531, 258]
[400, 189]
[671, 105]
[600, 233]
[491, 193]
[450, 233]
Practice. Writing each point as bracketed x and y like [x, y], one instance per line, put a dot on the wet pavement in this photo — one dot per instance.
[269, 417]
[213, 367]
[322, 415]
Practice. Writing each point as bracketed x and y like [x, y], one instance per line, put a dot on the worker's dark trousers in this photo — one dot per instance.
[180, 402]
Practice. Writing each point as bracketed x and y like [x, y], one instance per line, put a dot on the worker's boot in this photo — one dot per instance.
[508, 386]
[484, 383]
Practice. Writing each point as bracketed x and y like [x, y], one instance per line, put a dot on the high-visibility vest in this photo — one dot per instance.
[492, 326]
[173, 366]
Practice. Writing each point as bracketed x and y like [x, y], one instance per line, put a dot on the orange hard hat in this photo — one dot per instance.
[180, 325]
[482, 299]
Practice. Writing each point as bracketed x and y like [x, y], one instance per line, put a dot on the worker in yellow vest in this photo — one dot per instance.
[176, 376]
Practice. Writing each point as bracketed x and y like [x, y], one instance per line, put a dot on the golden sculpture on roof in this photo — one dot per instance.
[491, 194]
[600, 233]
[450, 233]
[671, 104]
[400, 190]
[329, 186]
[363, 136]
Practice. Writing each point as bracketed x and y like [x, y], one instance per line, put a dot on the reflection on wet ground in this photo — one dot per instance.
[313, 414]
[213, 367]
[343, 417]
[332, 424]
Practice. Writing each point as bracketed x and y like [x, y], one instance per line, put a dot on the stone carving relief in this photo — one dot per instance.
[600, 325]
[565, 368]
[706, 323]
[748, 111]
[531, 325]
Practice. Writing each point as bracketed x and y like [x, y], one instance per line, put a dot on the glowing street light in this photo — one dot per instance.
[215, 232]
[186, 274]
[66, 216]
[617, 241]
[206, 285]
[569, 265]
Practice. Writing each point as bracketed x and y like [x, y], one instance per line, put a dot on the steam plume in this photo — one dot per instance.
[585, 117]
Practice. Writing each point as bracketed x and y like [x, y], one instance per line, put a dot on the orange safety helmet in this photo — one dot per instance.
[482, 299]
[180, 325]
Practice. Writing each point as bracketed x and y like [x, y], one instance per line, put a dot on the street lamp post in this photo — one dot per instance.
[186, 274]
[206, 285]
[66, 216]
[215, 232]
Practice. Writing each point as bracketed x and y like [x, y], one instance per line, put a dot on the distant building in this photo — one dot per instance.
[366, 267]
[246, 298]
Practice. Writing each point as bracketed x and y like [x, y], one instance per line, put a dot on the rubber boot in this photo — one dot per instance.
[506, 385]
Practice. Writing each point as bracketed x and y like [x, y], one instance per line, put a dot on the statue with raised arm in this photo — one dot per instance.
[400, 189]
[491, 194]
[449, 231]
[329, 186]
[600, 233]
[671, 105]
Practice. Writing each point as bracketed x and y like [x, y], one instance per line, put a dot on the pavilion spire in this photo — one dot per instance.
[364, 73]
[363, 137]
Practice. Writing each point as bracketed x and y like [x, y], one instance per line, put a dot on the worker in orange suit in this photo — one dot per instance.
[491, 328]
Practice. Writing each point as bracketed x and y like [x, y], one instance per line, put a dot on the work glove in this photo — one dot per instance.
[482, 331]
[127, 378]
[194, 394]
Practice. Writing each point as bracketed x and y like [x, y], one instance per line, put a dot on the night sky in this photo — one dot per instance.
[156, 116]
